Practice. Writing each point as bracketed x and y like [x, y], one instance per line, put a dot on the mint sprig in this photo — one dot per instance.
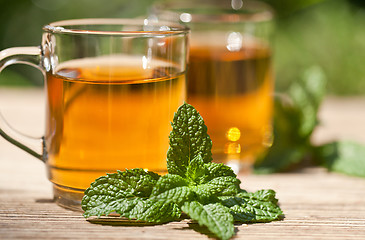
[207, 192]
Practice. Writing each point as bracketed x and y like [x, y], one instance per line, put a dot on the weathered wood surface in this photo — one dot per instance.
[317, 204]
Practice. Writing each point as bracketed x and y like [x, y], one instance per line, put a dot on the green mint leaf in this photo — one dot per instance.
[172, 188]
[209, 180]
[219, 186]
[267, 195]
[127, 193]
[345, 157]
[216, 217]
[199, 172]
[147, 210]
[260, 206]
[127, 184]
[152, 210]
[196, 171]
[219, 170]
[188, 139]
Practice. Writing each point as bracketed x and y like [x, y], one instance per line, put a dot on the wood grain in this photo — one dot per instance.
[317, 204]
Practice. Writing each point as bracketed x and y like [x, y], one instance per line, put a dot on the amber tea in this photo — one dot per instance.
[107, 114]
[233, 92]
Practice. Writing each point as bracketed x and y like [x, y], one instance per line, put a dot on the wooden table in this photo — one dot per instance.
[317, 204]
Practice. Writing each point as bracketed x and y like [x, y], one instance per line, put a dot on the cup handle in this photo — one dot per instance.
[30, 56]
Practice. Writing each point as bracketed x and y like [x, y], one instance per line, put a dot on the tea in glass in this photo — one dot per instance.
[232, 90]
[230, 76]
[104, 117]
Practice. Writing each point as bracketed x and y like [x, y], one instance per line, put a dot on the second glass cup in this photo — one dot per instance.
[230, 76]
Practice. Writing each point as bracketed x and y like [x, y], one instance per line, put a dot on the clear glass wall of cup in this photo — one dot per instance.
[230, 75]
[112, 88]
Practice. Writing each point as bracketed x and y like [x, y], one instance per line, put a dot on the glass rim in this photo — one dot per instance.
[261, 11]
[167, 28]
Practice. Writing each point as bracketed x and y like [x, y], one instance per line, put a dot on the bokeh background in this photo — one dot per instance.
[325, 33]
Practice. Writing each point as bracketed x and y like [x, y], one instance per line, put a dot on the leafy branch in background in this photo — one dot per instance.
[295, 119]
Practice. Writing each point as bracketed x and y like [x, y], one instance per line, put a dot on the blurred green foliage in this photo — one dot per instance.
[295, 119]
[326, 33]
[329, 34]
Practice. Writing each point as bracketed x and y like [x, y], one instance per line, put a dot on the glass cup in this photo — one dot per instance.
[112, 87]
[230, 75]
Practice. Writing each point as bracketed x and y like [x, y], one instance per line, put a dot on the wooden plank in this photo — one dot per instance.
[316, 204]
